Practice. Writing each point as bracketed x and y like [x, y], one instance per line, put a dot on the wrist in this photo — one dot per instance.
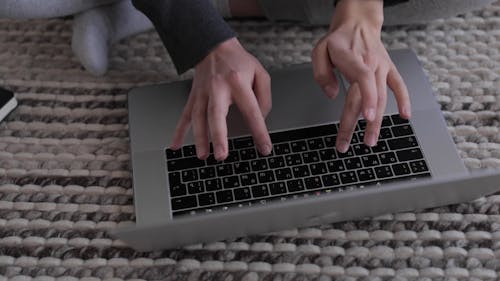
[366, 12]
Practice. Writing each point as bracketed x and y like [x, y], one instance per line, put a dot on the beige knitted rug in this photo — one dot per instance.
[65, 174]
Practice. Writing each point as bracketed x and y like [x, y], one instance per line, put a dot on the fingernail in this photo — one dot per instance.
[371, 139]
[265, 149]
[219, 152]
[330, 91]
[370, 114]
[406, 112]
[343, 145]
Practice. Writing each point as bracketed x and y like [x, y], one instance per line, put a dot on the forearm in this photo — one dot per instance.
[189, 29]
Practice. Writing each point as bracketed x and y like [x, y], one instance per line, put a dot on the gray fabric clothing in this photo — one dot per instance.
[313, 12]
[190, 29]
[396, 12]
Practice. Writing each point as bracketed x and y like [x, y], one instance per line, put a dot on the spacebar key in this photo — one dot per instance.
[184, 163]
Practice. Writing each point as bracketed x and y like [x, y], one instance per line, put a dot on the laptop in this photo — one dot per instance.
[181, 200]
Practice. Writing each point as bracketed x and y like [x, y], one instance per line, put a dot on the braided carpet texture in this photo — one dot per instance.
[65, 177]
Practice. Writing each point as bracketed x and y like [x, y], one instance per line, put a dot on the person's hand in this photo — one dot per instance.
[353, 46]
[228, 74]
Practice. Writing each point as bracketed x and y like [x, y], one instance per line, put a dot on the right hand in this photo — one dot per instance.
[227, 74]
[353, 45]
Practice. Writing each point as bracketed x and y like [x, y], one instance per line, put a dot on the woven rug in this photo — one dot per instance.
[65, 177]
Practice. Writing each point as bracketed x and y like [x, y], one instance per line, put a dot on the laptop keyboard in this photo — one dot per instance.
[304, 162]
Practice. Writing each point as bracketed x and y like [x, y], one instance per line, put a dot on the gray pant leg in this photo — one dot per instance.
[312, 12]
[320, 12]
[421, 11]
[36, 9]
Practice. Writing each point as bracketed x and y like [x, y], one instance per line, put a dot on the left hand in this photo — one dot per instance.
[353, 45]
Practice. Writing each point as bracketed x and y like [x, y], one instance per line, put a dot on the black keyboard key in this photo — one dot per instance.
[172, 154]
[260, 190]
[361, 135]
[370, 160]
[330, 141]
[386, 121]
[265, 176]
[189, 175]
[242, 193]
[174, 178]
[206, 199]
[241, 167]
[354, 139]
[383, 172]
[330, 180]
[282, 148]
[409, 154]
[361, 149]
[362, 124]
[318, 168]
[403, 130]
[213, 184]
[232, 156]
[385, 133]
[300, 171]
[277, 188]
[388, 158]
[348, 177]
[310, 157]
[335, 166]
[404, 142]
[259, 164]
[195, 187]
[316, 143]
[396, 120]
[276, 162]
[206, 172]
[224, 170]
[327, 154]
[248, 154]
[184, 163]
[211, 160]
[293, 159]
[353, 163]
[401, 169]
[313, 183]
[248, 179]
[231, 182]
[243, 142]
[366, 174]
[224, 196]
[185, 202]
[283, 174]
[177, 190]
[189, 150]
[348, 153]
[418, 166]
[299, 146]
[295, 185]
[304, 133]
[380, 147]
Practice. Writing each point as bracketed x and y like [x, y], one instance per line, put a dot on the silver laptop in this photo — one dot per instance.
[181, 200]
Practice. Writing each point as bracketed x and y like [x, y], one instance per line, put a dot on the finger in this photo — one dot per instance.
[398, 87]
[349, 119]
[183, 124]
[218, 107]
[357, 70]
[372, 130]
[262, 89]
[249, 108]
[200, 131]
[323, 70]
